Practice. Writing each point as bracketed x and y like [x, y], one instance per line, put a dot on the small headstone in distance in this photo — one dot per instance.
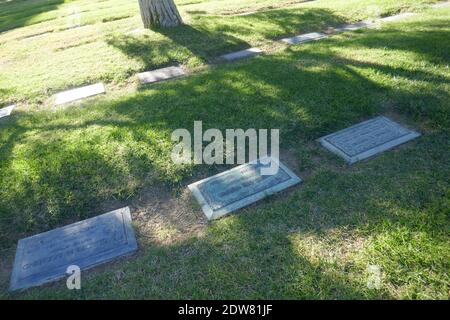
[397, 17]
[305, 38]
[353, 26]
[367, 139]
[45, 257]
[79, 93]
[240, 186]
[247, 53]
[441, 5]
[160, 74]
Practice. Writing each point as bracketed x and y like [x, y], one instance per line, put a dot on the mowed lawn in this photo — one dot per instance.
[44, 54]
[315, 241]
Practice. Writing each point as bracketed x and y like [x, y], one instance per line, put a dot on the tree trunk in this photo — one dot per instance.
[159, 13]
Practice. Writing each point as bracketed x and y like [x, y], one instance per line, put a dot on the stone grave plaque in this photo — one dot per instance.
[4, 112]
[441, 5]
[239, 187]
[397, 17]
[241, 54]
[160, 74]
[135, 31]
[305, 38]
[353, 26]
[45, 257]
[79, 93]
[367, 139]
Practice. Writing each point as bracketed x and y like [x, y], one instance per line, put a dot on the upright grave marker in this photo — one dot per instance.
[239, 187]
[45, 257]
[79, 93]
[4, 112]
[160, 74]
[367, 139]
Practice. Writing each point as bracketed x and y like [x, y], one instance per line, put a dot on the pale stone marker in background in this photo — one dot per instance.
[4, 112]
[160, 74]
[399, 16]
[441, 5]
[239, 187]
[354, 26]
[367, 139]
[79, 93]
[45, 257]
[305, 38]
[241, 54]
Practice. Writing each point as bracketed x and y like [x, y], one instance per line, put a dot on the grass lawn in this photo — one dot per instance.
[315, 241]
[54, 56]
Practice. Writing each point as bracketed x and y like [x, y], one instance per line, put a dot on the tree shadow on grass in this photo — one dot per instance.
[17, 13]
[233, 260]
[291, 21]
[260, 252]
[209, 37]
[425, 47]
[305, 94]
[183, 43]
[252, 254]
[424, 41]
[212, 36]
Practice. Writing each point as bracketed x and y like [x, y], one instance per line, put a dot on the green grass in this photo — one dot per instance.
[315, 241]
[60, 57]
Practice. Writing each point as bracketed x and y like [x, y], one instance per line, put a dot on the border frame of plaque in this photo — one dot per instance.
[64, 97]
[212, 214]
[370, 152]
[16, 281]
[151, 77]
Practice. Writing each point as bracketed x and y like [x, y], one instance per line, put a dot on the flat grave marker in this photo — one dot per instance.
[135, 31]
[241, 186]
[160, 74]
[441, 5]
[79, 93]
[353, 26]
[367, 139]
[305, 38]
[45, 257]
[4, 112]
[397, 17]
[247, 53]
